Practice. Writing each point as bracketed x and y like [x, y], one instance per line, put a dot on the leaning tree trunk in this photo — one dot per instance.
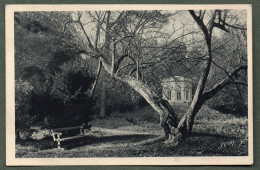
[168, 119]
[186, 123]
[173, 130]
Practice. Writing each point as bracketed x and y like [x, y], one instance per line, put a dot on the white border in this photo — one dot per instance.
[10, 96]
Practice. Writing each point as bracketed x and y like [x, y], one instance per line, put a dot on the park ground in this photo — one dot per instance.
[137, 133]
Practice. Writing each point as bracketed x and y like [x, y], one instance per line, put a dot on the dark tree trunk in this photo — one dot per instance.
[103, 101]
[187, 121]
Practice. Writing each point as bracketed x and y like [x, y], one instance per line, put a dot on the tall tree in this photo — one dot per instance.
[129, 39]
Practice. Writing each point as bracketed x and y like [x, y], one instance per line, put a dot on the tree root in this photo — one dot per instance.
[174, 139]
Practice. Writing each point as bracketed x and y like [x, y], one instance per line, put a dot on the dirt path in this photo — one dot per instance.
[118, 138]
[99, 131]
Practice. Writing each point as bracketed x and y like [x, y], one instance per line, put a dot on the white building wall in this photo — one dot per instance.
[174, 85]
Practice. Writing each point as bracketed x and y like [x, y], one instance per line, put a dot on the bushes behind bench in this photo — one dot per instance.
[54, 104]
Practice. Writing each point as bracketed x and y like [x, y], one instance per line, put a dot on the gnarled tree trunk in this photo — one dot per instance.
[168, 119]
[174, 130]
[186, 123]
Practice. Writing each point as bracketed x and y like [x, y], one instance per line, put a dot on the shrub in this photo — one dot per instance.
[23, 93]
[51, 78]
[230, 101]
[64, 103]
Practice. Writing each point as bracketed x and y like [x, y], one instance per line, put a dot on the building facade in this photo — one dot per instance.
[177, 90]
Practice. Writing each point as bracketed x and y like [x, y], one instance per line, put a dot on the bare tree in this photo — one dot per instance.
[127, 41]
[217, 20]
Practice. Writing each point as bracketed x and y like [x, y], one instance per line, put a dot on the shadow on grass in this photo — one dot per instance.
[96, 141]
[200, 134]
[48, 143]
[196, 144]
[203, 144]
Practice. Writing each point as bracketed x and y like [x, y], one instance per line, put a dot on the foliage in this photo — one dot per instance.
[63, 103]
[52, 79]
[23, 91]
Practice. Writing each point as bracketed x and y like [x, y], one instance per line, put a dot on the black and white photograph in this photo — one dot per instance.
[129, 85]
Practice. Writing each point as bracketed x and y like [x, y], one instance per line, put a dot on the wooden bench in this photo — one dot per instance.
[56, 133]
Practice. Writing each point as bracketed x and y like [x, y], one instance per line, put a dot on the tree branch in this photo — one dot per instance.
[119, 60]
[199, 22]
[221, 26]
[232, 26]
[202, 15]
[117, 20]
[212, 92]
[96, 80]
[87, 37]
[66, 23]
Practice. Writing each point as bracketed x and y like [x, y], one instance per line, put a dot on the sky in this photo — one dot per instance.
[179, 24]
[184, 19]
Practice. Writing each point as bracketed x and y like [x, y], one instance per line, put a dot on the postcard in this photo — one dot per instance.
[129, 85]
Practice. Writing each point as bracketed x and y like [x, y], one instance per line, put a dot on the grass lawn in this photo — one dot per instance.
[137, 134]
